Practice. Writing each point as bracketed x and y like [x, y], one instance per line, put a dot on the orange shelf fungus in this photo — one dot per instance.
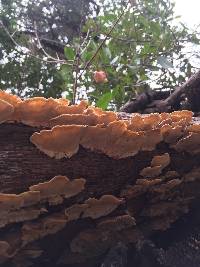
[37, 111]
[10, 202]
[6, 111]
[73, 109]
[182, 114]
[143, 123]
[28, 205]
[59, 185]
[30, 198]
[96, 205]
[32, 231]
[162, 160]
[87, 118]
[75, 119]
[158, 163]
[190, 143]
[101, 207]
[171, 134]
[61, 141]
[93, 208]
[151, 172]
[93, 128]
[150, 139]
[113, 140]
[11, 99]
[8, 103]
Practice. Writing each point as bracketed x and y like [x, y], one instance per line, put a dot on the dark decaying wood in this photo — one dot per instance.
[186, 96]
[155, 205]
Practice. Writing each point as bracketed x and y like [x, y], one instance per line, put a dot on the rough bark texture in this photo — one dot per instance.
[150, 206]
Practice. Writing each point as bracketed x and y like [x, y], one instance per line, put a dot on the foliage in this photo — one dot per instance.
[24, 68]
[146, 49]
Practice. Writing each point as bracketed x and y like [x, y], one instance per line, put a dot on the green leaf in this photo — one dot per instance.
[104, 100]
[107, 52]
[118, 93]
[115, 59]
[66, 73]
[69, 53]
[87, 55]
[164, 62]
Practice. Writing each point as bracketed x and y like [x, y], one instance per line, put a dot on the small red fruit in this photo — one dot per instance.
[100, 76]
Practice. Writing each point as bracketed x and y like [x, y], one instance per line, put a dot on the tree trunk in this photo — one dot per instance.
[149, 203]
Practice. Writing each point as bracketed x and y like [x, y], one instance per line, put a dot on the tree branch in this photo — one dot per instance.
[103, 41]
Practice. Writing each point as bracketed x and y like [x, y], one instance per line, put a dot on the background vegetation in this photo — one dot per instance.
[52, 48]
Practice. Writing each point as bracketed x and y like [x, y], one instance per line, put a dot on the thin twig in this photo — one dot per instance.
[85, 40]
[40, 45]
[77, 58]
[103, 41]
[28, 52]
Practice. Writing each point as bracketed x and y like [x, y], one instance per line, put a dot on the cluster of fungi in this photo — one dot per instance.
[85, 179]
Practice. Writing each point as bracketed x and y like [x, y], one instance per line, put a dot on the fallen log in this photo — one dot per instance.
[91, 185]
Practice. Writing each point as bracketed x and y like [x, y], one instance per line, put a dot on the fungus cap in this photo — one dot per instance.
[59, 185]
[151, 172]
[37, 111]
[60, 141]
[161, 160]
[11, 99]
[6, 111]
[101, 207]
[190, 143]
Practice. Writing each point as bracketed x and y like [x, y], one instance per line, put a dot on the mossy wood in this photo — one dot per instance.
[72, 192]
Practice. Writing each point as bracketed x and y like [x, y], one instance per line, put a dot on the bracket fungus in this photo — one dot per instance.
[76, 119]
[61, 141]
[32, 231]
[190, 143]
[158, 163]
[28, 205]
[59, 185]
[16, 208]
[88, 117]
[101, 207]
[171, 134]
[37, 111]
[114, 140]
[6, 111]
[162, 160]
[20, 216]
[143, 123]
[10, 98]
[10, 202]
[194, 128]
[88, 214]
[93, 208]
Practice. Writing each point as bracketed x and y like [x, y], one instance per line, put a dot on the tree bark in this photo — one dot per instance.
[149, 205]
[186, 96]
